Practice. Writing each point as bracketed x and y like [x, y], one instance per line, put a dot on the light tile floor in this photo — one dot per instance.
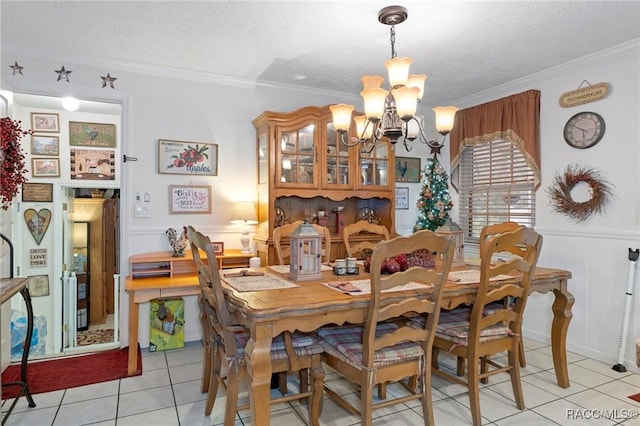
[168, 393]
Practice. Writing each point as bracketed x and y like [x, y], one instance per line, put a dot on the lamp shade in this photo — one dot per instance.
[444, 118]
[398, 69]
[244, 212]
[417, 80]
[374, 102]
[341, 114]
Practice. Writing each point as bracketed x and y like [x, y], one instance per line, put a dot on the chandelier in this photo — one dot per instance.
[391, 114]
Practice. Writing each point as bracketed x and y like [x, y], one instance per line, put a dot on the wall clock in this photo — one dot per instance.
[584, 130]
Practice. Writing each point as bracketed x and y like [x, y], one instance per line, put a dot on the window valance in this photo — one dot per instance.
[514, 118]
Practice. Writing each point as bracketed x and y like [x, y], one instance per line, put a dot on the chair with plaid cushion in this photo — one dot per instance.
[476, 333]
[498, 229]
[381, 351]
[290, 352]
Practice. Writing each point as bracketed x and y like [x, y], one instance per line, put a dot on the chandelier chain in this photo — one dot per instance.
[392, 37]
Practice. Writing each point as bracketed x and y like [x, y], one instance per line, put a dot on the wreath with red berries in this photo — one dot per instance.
[12, 167]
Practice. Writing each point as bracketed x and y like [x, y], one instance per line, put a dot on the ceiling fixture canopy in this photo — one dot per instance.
[391, 114]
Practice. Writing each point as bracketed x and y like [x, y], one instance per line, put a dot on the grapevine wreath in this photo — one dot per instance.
[12, 167]
[560, 192]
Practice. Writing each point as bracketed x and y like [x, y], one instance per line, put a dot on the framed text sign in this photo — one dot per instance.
[37, 192]
[187, 158]
[189, 199]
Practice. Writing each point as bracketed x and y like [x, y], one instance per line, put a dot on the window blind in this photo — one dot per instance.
[496, 185]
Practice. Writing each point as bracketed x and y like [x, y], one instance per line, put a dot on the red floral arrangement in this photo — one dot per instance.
[12, 168]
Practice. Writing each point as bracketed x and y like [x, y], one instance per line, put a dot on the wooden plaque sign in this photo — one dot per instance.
[37, 192]
[591, 93]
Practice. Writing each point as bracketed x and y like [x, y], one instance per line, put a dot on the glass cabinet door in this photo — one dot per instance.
[374, 166]
[263, 158]
[336, 171]
[296, 160]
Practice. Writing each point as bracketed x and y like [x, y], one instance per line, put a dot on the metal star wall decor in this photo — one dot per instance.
[108, 80]
[63, 73]
[16, 68]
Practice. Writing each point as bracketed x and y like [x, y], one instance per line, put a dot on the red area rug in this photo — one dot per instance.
[70, 372]
[635, 397]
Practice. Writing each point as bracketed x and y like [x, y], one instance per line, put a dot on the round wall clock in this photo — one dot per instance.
[584, 130]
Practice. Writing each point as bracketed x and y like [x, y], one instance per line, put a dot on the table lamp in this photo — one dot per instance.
[244, 212]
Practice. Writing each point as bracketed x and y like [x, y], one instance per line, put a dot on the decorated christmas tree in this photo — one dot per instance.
[434, 202]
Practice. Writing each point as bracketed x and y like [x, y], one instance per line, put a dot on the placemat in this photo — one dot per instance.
[472, 276]
[361, 287]
[257, 283]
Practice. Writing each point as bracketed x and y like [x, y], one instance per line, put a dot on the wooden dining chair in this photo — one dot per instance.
[284, 253]
[363, 235]
[290, 352]
[383, 351]
[474, 333]
[497, 229]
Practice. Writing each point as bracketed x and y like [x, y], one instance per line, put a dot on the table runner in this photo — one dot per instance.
[362, 287]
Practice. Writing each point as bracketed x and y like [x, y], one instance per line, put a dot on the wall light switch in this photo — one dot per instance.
[141, 210]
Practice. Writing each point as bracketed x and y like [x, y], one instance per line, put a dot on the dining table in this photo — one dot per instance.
[270, 303]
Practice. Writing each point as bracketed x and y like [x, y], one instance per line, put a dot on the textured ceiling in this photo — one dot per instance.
[463, 46]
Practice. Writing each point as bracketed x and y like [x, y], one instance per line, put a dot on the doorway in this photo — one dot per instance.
[79, 311]
[90, 290]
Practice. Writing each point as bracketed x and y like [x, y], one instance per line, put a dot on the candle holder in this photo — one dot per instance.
[306, 253]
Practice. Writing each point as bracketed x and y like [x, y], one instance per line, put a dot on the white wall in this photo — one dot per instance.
[199, 107]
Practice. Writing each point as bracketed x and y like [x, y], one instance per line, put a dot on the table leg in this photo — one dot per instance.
[561, 317]
[258, 359]
[133, 335]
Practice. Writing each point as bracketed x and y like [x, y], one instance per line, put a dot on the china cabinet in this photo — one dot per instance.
[303, 169]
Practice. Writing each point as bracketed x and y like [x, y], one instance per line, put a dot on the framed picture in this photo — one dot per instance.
[218, 247]
[38, 285]
[187, 158]
[402, 198]
[45, 167]
[191, 199]
[45, 145]
[93, 164]
[45, 122]
[97, 135]
[407, 169]
[37, 192]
